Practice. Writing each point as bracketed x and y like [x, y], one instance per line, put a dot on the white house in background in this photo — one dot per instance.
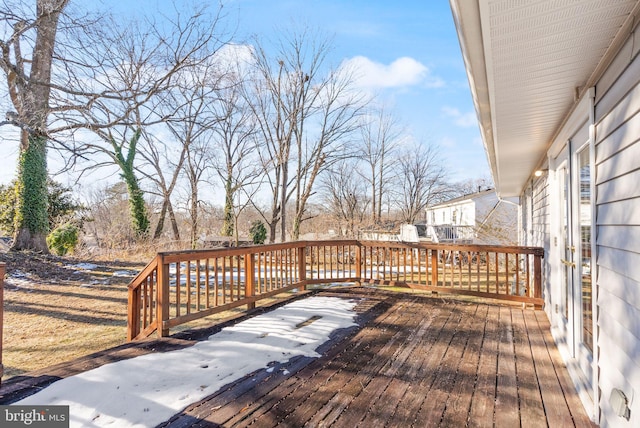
[478, 218]
[556, 87]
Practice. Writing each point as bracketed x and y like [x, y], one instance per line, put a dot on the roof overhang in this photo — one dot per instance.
[528, 64]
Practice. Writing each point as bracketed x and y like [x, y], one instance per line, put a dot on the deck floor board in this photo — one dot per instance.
[412, 361]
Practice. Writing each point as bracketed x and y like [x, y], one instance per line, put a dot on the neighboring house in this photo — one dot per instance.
[478, 218]
[556, 86]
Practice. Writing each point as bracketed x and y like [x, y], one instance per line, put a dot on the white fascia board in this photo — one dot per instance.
[467, 19]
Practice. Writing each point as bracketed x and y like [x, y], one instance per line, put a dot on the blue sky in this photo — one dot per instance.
[434, 102]
[431, 92]
[408, 52]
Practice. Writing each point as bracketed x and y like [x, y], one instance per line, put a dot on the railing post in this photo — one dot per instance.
[250, 279]
[434, 268]
[359, 263]
[162, 301]
[3, 271]
[537, 277]
[133, 318]
[302, 265]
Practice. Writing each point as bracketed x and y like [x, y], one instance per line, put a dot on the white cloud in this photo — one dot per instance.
[463, 120]
[233, 53]
[402, 72]
[448, 142]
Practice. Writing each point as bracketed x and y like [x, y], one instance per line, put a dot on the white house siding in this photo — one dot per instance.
[465, 214]
[541, 213]
[617, 182]
[539, 230]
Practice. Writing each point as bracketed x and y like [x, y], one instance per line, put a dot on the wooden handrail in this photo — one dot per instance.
[181, 286]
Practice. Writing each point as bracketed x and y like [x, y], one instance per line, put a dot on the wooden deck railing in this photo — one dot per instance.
[3, 271]
[178, 287]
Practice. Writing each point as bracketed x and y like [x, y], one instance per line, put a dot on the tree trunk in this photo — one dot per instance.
[283, 203]
[31, 101]
[272, 231]
[374, 199]
[174, 223]
[295, 233]
[31, 220]
[160, 224]
[229, 223]
[139, 217]
[194, 217]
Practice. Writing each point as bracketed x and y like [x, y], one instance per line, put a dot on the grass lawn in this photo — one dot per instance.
[60, 308]
[57, 309]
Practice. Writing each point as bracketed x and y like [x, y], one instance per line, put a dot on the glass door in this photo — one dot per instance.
[574, 189]
[566, 242]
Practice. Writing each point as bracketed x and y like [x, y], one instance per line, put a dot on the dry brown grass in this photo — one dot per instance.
[54, 312]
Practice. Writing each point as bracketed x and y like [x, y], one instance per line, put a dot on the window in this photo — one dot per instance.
[584, 167]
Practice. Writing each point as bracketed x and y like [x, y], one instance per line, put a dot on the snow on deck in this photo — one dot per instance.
[147, 390]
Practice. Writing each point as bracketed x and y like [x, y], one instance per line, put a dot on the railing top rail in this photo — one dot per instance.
[136, 281]
[514, 249]
[234, 251]
[185, 255]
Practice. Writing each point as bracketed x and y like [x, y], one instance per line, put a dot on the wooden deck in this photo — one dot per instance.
[412, 361]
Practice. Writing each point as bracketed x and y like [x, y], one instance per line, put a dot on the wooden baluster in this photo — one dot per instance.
[188, 286]
[216, 287]
[207, 285]
[198, 286]
[249, 279]
[506, 272]
[302, 266]
[434, 268]
[358, 261]
[154, 284]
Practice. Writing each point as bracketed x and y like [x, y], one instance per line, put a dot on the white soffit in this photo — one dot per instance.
[525, 61]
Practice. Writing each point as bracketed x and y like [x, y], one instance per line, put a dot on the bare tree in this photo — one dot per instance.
[421, 181]
[136, 69]
[162, 168]
[274, 99]
[334, 112]
[381, 134]
[304, 114]
[199, 157]
[345, 197]
[470, 186]
[236, 165]
[28, 78]
[187, 113]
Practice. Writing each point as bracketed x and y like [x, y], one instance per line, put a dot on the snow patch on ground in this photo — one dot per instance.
[124, 273]
[147, 390]
[84, 266]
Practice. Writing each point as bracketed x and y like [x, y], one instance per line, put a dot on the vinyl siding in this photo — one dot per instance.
[540, 229]
[617, 178]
